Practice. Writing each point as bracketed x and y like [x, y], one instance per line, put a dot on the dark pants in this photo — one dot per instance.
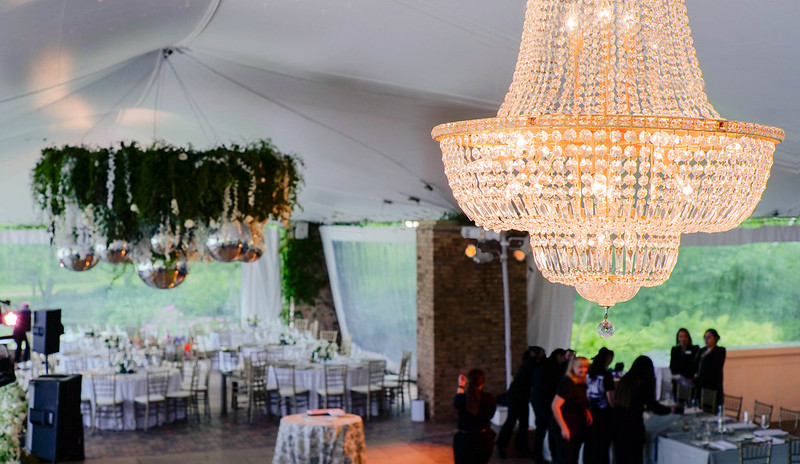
[543, 416]
[566, 452]
[628, 450]
[473, 447]
[517, 412]
[18, 353]
[599, 437]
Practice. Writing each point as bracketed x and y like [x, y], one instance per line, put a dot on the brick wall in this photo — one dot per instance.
[460, 316]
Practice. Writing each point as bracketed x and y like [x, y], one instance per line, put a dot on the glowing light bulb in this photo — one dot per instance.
[10, 319]
[571, 23]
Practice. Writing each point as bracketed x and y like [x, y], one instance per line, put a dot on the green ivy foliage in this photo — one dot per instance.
[303, 272]
[151, 178]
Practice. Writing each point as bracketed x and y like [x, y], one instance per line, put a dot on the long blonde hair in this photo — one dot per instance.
[574, 362]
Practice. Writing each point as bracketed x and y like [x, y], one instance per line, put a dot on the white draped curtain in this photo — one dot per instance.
[373, 275]
[261, 282]
[550, 311]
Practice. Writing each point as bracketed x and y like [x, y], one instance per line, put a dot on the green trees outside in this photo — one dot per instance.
[114, 294]
[748, 293]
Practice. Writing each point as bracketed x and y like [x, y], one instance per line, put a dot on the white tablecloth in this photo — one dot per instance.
[81, 343]
[230, 339]
[130, 386]
[320, 440]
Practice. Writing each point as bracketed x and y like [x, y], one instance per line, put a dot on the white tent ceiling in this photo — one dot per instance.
[352, 86]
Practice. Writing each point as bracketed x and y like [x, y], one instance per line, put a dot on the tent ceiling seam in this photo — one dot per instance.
[310, 119]
[210, 14]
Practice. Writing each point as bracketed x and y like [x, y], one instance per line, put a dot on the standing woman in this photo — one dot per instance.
[708, 366]
[570, 413]
[474, 440]
[681, 359]
[635, 393]
[600, 392]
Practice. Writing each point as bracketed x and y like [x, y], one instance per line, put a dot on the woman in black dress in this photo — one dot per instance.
[474, 440]
[681, 359]
[709, 364]
[570, 413]
[600, 392]
[635, 393]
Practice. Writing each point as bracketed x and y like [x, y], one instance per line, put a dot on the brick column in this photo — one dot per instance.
[460, 316]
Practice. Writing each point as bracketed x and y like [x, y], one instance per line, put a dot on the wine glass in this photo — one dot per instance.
[764, 423]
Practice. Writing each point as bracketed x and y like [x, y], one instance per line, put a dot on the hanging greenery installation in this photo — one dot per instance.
[163, 206]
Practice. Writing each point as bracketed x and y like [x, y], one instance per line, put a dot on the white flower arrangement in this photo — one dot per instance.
[126, 365]
[253, 321]
[289, 336]
[13, 407]
[324, 351]
[112, 341]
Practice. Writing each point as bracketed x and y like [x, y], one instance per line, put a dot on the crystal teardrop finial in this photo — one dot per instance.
[605, 329]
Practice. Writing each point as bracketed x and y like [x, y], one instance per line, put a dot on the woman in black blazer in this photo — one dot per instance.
[709, 364]
[681, 359]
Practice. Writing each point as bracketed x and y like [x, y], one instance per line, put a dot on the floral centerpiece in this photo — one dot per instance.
[126, 365]
[112, 341]
[289, 336]
[253, 321]
[324, 351]
[13, 407]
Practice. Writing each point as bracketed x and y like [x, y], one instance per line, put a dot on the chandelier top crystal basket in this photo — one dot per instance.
[606, 148]
[162, 207]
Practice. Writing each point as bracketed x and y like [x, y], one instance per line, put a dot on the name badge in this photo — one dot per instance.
[687, 352]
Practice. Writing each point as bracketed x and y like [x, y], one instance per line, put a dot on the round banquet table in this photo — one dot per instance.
[129, 386]
[320, 439]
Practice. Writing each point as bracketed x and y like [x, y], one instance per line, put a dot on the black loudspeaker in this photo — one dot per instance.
[55, 425]
[47, 330]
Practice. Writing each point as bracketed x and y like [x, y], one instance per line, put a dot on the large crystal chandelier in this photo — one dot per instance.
[606, 148]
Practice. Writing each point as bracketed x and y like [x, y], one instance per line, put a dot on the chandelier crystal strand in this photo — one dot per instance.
[606, 148]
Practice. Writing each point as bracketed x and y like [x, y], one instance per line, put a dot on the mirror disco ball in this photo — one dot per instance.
[117, 252]
[228, 243]
[76, 260]
[254, 247]
[163, 274]
[163, 243]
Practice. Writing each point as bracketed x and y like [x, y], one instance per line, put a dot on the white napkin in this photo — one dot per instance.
[722, 445]
[741, 425]
[775, 440]
[770, 433]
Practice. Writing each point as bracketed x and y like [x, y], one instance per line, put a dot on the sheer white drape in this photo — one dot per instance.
[550, 311]
[373, 275]
[261, 282]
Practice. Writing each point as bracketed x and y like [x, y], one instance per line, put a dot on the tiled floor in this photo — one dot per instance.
[231, 440]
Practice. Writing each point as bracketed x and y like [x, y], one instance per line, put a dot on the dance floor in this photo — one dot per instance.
[232, 440]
